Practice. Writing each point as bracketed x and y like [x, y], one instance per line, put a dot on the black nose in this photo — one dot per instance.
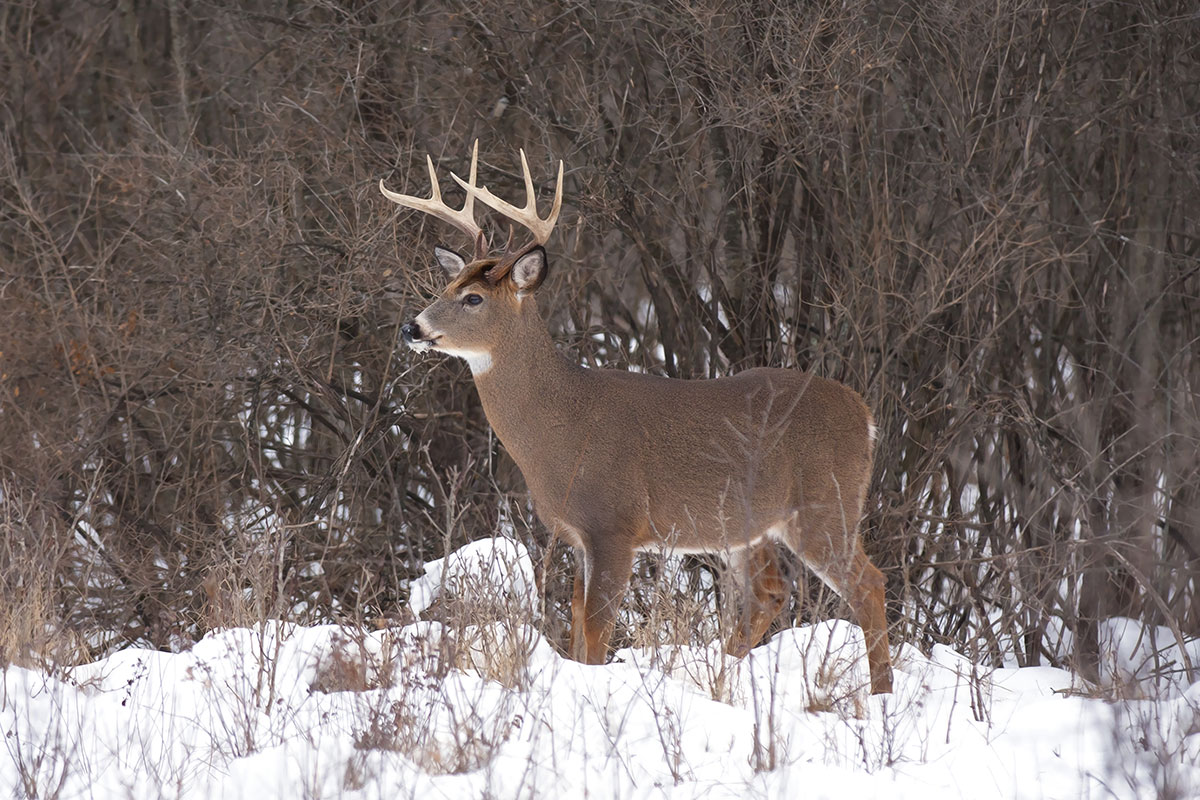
[411, 331]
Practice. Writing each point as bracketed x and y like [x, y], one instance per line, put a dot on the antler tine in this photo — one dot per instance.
[463, 219]
[527, 217]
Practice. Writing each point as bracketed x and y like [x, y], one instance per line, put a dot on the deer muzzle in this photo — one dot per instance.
[417, 337]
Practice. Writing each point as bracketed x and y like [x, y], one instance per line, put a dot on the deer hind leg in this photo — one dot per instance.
[575, 647]
[753, 577]
[600, 584]
[853, 576]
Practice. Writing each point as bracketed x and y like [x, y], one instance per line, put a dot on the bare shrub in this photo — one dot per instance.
[980, 215]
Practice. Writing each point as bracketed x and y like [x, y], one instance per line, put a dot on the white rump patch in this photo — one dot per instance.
[872, 431]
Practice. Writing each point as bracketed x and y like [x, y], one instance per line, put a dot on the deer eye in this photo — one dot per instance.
[472, 299]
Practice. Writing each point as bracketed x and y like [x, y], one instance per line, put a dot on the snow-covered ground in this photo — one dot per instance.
[491, 710]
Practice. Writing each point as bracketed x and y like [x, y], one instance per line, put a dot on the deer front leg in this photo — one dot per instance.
[575, 647]
[754, 581]
[600, 583]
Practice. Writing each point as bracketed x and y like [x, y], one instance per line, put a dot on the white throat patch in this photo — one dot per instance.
[480, 361]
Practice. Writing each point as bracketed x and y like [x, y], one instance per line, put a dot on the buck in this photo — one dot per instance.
[618, 462]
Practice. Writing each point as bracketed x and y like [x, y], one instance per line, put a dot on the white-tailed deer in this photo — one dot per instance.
[619, 462]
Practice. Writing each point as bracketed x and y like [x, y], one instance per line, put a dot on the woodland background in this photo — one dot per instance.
[985, 216]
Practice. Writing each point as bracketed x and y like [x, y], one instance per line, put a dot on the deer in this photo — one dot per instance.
[619, 462]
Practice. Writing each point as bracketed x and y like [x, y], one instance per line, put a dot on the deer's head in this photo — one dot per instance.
[488, 300]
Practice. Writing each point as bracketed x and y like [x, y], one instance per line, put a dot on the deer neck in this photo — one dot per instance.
[528, 385]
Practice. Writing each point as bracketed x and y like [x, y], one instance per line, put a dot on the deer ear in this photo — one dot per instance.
[529, 270]
[451, 261]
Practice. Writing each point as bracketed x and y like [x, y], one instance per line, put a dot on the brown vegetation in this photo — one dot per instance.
[983, 216]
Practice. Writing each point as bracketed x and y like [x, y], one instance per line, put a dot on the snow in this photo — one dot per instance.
[1137, 655]
[490, 709]
[500, 566]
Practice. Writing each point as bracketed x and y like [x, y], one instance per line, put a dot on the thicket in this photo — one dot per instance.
[985, 216]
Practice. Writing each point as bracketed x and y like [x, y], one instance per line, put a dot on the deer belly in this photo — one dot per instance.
[721, 535]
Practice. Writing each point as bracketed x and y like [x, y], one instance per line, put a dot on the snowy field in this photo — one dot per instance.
[491, 710]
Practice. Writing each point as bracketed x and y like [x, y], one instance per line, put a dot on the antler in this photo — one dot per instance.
[527, 216]
[463, 219]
